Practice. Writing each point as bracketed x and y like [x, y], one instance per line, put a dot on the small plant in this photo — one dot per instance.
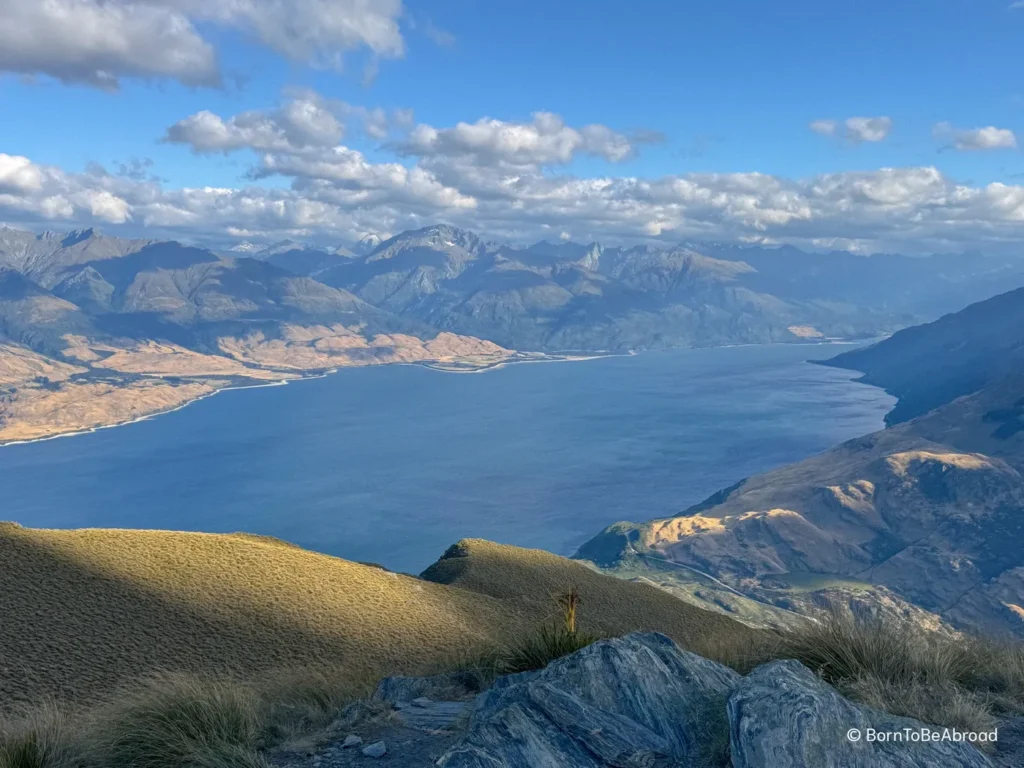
[551, 643]
[569, 602]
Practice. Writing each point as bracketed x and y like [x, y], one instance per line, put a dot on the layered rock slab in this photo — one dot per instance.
[637, 701]
[783, 716]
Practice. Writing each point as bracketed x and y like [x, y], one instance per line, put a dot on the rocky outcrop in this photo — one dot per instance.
[641, 702]
[782, 716]
[632, 701]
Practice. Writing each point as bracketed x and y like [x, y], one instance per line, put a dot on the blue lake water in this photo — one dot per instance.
[392, 464]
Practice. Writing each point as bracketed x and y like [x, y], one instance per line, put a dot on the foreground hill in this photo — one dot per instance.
[86, 610]
[929, 511]
[928, 365]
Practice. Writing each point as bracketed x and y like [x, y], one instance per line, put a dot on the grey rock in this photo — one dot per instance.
[351, 741]
[783, 716]
[1009, 751]
[377, 749]
[637, 701]
[453, 685]
[435, 716]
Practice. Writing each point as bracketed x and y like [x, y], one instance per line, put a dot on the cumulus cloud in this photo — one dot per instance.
[87, 41]
[855, 129]
[302, 122]
[99, 42]
[338, 195]
[305, 121]
[316, 32]
[18, 174]
[544, 141]
[977, 139]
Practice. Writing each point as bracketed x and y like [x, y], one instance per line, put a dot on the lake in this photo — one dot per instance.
[392, 464]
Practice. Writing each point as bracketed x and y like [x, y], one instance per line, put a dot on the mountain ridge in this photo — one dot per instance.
[117, 306]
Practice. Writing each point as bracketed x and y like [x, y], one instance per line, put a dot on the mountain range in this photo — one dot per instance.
[571, 296]
[128, 327]
[923, 518]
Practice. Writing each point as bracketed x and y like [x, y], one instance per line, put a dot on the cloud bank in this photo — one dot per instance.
[101, 42]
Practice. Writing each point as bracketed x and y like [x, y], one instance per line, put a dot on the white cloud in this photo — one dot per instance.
[855, 129]
[302, 122]
[868, 128]
[338, 194]
[547, 140]
[824, 127]
[974, 139]
[88, 41]
[18, 174]
[100, 42]
[305, 121]
[316, 32]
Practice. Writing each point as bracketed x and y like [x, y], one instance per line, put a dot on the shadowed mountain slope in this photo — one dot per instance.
[929, 365]
[86, 610]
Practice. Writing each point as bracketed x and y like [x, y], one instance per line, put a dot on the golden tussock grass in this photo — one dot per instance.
[151, 649]
[165, 649]
[173, 720]
[964, 682]
[87, 610]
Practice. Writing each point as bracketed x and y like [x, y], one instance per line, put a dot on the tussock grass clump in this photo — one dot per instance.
[175, 720]
[962, 683]
[538, 650]
[45, 737]
[842, 648]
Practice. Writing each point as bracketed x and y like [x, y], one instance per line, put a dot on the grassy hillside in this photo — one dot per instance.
[534, 579]
[87, 610]
[929, 511]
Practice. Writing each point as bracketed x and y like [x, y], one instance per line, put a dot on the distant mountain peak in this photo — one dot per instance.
[245, 247]
[77, 236]
[455, 242]
[368, 243]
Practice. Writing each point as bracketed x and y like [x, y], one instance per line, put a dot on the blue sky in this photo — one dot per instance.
[728, 88]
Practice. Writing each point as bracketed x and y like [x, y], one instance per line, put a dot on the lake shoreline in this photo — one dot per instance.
[465, 366]
[454, 367]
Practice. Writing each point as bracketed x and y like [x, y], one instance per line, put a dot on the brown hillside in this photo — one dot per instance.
[86, 610]
[929, 510]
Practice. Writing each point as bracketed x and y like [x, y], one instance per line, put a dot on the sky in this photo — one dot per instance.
[868, 126]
